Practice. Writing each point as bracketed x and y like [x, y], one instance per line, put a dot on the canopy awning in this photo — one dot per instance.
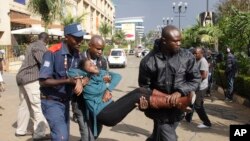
[37, 30]
[29, 21]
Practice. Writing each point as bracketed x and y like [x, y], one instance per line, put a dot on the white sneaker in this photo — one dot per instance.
[202, 126]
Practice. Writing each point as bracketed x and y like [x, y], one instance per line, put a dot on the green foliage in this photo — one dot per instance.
[49, 10]
[119, 38]
[105, 29]
[241, 83]
[69, 19]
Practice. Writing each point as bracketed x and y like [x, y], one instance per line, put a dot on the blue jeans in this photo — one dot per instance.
[57, 115]
[230, 86]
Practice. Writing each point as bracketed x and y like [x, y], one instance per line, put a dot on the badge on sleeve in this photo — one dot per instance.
[46, 64]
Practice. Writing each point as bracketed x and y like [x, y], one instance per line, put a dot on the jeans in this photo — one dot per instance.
[57, 115]
[230, 86]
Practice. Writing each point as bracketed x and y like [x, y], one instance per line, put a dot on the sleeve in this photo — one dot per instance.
[115, 79]
[47, 67]
[38, 54]
[145, 74]
[193, 78]
[76, 73]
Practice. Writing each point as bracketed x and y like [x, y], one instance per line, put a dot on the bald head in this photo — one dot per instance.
[96, 46]
[43, 36]
[168, 31]
[96, 39]
[198, 53]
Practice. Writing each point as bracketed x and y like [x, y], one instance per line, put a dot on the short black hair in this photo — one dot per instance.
[43, 36]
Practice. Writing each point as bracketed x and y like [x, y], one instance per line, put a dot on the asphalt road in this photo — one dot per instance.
[135, 127]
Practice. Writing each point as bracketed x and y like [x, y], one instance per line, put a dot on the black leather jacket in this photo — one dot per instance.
[169, 73]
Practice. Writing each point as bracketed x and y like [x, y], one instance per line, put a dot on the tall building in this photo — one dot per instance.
[132, 26]
[14, 15]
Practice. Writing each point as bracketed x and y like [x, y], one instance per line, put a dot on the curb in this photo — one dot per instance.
[236, 98]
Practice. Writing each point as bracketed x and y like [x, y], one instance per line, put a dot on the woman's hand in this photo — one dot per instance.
[107, 78]
[85, 81]
[107, 96]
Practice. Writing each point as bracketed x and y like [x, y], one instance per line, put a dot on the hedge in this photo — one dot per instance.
[241, 83]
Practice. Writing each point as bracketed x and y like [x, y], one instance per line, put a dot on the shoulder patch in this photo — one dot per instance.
[55, 47]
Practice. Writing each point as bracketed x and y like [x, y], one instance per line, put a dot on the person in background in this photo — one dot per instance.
[56, 87]
[201, 92]
[95, 54]
[29, 90]
[171, 70]
[230, 72]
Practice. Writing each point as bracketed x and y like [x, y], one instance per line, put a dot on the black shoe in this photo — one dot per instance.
[46, 137]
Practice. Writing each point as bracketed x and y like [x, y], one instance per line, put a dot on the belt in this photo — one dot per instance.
[47, 97]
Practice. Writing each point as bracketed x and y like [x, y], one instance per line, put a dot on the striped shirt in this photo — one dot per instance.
[29, 71]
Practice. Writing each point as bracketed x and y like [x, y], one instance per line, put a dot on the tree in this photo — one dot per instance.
[105, 29]
[72, 19]
[49, 10]
[119, 37]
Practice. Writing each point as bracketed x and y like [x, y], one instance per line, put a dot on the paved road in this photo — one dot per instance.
[135, 127]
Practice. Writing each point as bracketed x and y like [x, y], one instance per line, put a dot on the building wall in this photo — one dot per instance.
[4, 23]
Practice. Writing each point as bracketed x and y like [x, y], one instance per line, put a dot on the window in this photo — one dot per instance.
[20, 1]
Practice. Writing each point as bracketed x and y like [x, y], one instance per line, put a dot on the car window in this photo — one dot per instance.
[116, 53]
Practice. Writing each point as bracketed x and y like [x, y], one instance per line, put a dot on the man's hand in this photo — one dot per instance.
[173, 98]
[78, 87]
[107, 96]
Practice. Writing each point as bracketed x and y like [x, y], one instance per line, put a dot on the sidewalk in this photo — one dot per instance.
[135, 127]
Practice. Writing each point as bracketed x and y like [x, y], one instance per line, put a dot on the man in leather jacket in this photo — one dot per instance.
[171, 70]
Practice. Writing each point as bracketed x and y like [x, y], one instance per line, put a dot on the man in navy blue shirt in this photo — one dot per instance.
[56, 87]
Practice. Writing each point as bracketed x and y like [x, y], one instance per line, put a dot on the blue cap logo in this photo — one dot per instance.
[74, 29]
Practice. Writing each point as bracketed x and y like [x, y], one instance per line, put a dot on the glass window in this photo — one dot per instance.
[20, 1]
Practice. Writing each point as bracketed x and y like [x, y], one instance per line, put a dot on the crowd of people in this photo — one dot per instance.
[172, 85]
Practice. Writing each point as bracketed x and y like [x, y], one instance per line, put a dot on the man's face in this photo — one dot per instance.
[74, 42]
[173, 42]
[198, 54]
[96, 48]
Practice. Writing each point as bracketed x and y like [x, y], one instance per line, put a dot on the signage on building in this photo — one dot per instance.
[129, 30]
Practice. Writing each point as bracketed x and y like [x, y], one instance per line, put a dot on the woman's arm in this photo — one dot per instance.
[115, 79]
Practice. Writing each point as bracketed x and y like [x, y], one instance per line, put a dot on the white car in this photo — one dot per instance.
[117, 57]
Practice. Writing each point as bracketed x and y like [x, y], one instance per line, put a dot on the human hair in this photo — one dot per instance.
[82, 63]
[43, 36]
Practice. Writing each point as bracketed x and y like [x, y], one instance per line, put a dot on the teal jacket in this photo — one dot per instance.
[95, 89]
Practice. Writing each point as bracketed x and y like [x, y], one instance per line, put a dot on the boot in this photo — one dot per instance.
[159, 102]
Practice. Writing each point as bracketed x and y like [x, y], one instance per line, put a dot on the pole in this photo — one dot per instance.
[179, 19]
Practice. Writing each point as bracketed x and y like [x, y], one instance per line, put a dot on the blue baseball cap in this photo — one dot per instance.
[74, 29]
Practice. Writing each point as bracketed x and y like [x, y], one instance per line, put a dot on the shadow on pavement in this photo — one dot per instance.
[130, 130]
[105, 139]
[71, 138]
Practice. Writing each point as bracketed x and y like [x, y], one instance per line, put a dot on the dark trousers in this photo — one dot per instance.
[78, 109]
[164, 131]
[230, 85]
[57, 115]
[118, 110]
[199, 108]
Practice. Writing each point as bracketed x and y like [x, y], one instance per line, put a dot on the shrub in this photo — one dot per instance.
[241, 83]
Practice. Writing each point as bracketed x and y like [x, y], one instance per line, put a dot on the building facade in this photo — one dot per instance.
[131, 25]
[14, 15]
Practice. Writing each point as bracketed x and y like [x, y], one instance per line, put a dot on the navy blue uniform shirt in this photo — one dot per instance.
[56, 62]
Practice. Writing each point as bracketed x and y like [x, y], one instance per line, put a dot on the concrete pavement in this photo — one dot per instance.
[135, 127]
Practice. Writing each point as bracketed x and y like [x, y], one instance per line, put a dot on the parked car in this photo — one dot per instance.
[131, 52]
[117, 57]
